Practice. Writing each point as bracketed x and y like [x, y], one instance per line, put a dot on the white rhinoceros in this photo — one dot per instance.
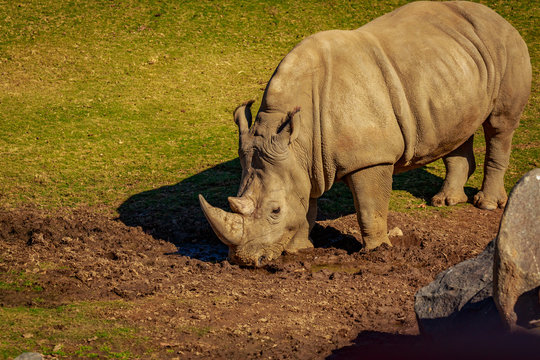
[360, 105]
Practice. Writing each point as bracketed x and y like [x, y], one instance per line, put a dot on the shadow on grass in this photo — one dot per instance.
[172, 213]
[338, 201]
[419, 183]
[422, 184]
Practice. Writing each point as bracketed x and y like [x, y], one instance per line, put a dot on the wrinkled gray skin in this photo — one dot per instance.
[358, 106]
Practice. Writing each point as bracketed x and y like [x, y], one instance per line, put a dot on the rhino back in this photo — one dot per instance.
[404, 89]
[446, 61]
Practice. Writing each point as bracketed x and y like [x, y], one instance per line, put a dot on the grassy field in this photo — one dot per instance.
[102, 100]
[81, 322]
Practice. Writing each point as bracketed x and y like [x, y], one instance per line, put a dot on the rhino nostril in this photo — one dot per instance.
[261, 260]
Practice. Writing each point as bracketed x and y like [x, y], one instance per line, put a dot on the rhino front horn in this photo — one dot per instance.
[229, 227]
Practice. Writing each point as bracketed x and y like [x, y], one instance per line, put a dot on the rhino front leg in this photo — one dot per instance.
[302, 240]
[371, 188]
[459, 165]
[312, 213]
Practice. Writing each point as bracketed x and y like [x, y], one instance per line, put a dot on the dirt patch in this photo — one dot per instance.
[309, 305]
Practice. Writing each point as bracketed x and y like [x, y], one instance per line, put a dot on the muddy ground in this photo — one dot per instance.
[334, 301]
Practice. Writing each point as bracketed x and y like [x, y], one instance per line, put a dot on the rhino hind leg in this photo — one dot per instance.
[460, 164]
[498, 143]
[371, 188]
[499, 127]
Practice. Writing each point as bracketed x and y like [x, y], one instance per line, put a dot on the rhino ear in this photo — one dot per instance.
[242, 116]
[291, 126]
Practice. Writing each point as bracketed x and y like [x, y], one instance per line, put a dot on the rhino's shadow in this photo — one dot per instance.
[422, 184]
[418, 182]
[172, 213]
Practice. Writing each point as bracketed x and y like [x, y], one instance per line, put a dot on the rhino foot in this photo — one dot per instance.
[298, 243]
[449, 198]
[487, 202]
[371, 243]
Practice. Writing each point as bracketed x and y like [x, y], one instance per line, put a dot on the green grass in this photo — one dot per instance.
[129, 102]
[103, 100]
[77, 330]
[19, 281]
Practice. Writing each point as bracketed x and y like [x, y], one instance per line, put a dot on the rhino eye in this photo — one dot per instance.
[276, 210]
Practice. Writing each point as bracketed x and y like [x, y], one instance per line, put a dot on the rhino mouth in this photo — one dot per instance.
[253, 254]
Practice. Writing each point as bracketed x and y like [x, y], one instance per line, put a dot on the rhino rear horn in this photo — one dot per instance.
[242, 116]
[229, 227]
[241, 205]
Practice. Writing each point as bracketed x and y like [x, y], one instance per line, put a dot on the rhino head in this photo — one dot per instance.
[270, 208]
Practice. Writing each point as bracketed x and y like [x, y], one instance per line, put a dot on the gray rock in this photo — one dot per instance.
[29, 356]
[395, 232]
[459, 301]
[517, 255]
